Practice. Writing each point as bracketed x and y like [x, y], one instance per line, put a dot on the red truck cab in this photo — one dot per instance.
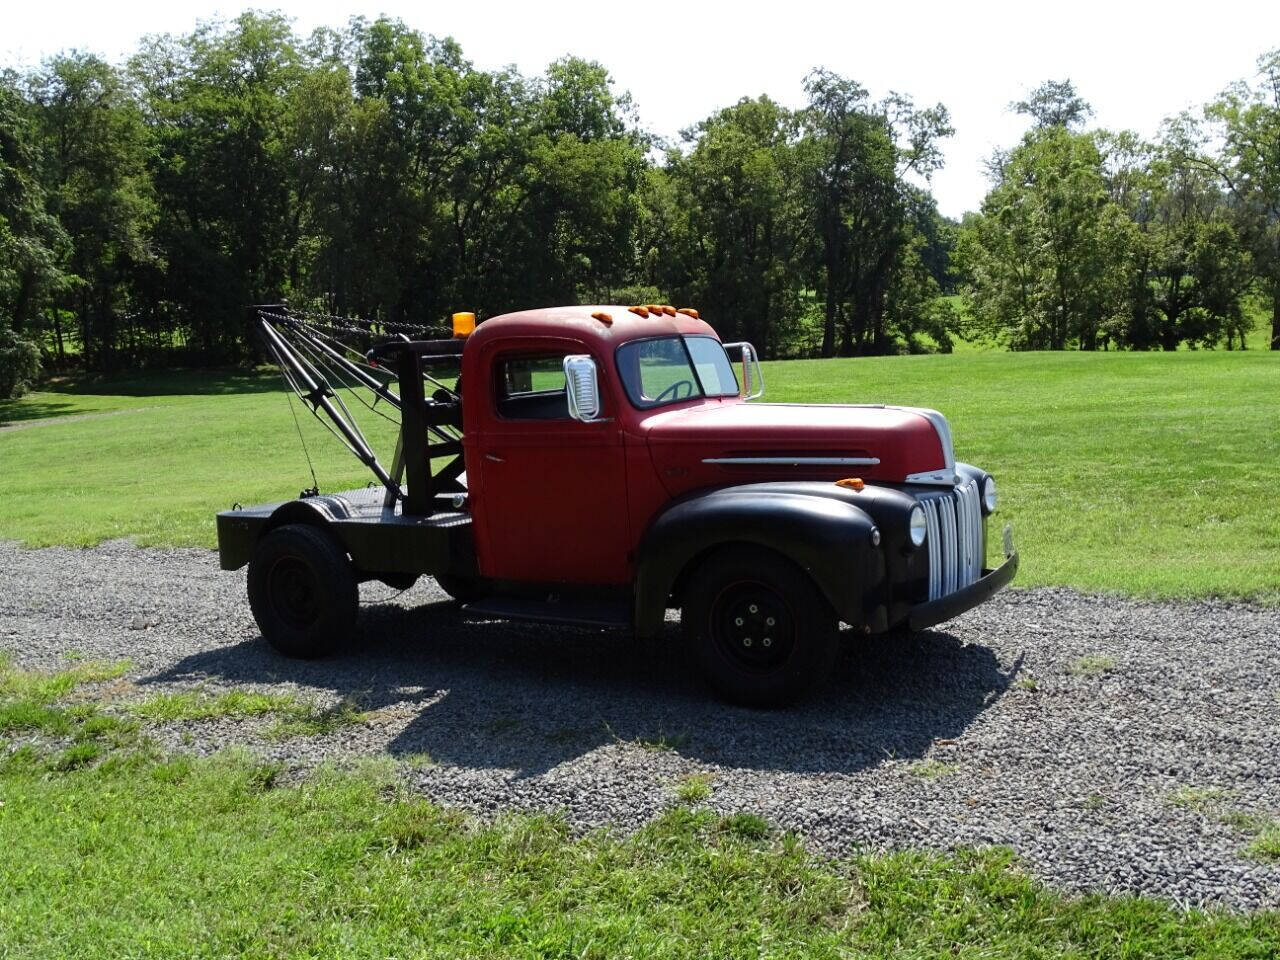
[616, 460]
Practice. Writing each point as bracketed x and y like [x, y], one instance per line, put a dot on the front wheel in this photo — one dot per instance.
[761, 631]
[302, 590]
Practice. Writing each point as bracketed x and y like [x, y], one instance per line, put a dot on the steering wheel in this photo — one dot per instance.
[674, 390]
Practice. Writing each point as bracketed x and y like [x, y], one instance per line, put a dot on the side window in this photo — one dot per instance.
[531, 387]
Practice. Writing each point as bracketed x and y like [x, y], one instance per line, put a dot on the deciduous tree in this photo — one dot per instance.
[94, 148]
[1054, 103]
[1048, 257]
[740, 226]
[857, 156]
[32, 242]
[1247, 119]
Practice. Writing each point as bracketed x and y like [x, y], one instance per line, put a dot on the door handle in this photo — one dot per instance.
[494, 458]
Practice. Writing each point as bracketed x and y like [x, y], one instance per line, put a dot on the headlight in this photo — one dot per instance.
[989, 498]
[917, 526]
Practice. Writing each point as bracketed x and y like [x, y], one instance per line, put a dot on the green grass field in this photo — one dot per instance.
[1141, 473]
[142, 857]
[156, 456]
[1132, 472]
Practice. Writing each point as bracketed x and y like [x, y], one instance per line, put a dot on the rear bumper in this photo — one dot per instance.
[953, 604]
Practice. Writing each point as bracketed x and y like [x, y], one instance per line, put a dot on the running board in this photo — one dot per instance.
[582, 613]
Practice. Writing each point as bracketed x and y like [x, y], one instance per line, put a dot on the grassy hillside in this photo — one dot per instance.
[155, 457]
[1136, 472]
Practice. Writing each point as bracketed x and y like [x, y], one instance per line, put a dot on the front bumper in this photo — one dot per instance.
[953, 604]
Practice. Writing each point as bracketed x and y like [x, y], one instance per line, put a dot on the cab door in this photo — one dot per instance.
[551, 502]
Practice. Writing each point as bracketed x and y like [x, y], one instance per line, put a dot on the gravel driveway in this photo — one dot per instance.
[1114, 745]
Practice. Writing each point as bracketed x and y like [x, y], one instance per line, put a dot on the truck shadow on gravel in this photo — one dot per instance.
[528, 697]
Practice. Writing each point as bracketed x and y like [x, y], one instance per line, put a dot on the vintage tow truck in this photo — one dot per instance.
[602, 465]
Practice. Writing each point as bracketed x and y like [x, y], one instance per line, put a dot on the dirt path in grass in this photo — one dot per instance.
[1115, 745]
[46, 421]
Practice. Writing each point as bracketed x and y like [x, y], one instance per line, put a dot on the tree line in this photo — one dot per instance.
[374, 172]
[1095, 238]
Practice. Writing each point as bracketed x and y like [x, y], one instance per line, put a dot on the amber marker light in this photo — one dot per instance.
[603, 317]
[670, 311]
[689, 312]
[851, 483]
[639, 311]
[464, 324]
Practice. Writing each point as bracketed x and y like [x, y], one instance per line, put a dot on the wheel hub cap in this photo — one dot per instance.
[753, 625]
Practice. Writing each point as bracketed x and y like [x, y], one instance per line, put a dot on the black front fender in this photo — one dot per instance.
[829, 539]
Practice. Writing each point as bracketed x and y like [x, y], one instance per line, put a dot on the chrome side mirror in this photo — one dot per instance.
[751, 384]
[581, 387]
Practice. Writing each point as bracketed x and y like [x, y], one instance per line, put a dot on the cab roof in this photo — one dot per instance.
[625, 325]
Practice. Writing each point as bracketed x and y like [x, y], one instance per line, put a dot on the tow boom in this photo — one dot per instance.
[316, 364]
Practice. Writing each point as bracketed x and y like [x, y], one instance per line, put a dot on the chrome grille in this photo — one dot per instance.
[953, 538]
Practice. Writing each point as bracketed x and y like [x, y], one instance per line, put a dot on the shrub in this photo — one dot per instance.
[19, 364]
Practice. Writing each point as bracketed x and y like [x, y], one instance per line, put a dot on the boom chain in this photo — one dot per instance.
[348, 325]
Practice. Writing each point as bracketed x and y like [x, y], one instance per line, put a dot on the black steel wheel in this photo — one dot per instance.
[753, 625]
[762, 633]
[302, 590]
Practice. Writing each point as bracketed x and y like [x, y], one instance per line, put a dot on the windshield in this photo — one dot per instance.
[667, 369]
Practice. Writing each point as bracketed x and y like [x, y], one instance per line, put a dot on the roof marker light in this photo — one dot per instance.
[669, 310]
[605, 318]
[689, 312]
[464, 324]
[639, 311]
[851, 483]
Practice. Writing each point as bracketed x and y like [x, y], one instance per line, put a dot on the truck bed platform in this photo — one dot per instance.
[379, 539]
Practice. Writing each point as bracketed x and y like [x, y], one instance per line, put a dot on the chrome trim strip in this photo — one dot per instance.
[933, 539]
[937, 478]
[964, 515]
[972, 498]
[949, 565]
[801, 461]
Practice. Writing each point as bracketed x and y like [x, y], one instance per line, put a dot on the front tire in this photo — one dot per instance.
[303, 592]
[762, 633]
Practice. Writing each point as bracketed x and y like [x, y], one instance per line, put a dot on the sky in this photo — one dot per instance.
[1135, 62]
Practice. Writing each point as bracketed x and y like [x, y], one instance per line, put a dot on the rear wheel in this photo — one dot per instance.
[302, 590]
[761, 631]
